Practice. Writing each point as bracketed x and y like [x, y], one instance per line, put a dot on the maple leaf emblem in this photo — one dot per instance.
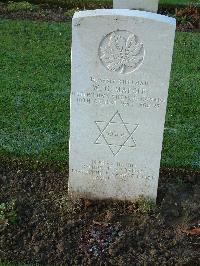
[121, 51]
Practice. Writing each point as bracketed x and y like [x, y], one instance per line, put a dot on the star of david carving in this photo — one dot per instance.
[116, 134]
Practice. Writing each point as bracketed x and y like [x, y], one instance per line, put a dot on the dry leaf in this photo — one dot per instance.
[100, 223]
[195, 231]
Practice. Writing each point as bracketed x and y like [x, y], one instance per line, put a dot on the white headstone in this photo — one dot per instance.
[147, 5]
[121, 63]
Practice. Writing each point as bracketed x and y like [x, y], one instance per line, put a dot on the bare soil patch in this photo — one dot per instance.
[51, 229]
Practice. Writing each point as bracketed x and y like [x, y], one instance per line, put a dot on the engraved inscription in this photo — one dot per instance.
[116, 133]
[120, 92]
[106, 170]
[121, 51]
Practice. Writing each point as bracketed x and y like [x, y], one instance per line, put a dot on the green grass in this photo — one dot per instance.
[181, 139]
[96, 3]
[179, 2]
[23, 5]
[165, 2]
[35, 87]
[35, 84]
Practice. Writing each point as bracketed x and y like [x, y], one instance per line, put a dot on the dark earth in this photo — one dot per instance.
[51, 229]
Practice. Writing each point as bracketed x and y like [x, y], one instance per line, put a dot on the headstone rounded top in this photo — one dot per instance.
[127, 13]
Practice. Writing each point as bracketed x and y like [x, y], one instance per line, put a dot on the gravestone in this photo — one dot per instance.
[121, 61]
[147, 5]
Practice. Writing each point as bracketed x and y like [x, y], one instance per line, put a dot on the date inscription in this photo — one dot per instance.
[126, 93]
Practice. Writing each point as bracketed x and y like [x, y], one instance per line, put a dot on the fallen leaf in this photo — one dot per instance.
[100, 223]
[194, 231]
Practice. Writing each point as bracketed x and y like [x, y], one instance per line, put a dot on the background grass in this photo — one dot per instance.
[182, 134]
[179, 2]
[35, 87]
[106, 3]
[35, 82]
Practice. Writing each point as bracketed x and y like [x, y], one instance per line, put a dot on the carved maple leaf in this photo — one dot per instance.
[122, 52]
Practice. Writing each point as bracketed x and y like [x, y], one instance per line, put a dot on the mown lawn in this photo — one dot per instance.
[35, 83]
[95, 3]
[165, 2]
[179, 2]
[35, 87]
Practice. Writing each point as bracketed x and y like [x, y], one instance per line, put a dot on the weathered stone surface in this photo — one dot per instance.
[147, 5]
[121, 63]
